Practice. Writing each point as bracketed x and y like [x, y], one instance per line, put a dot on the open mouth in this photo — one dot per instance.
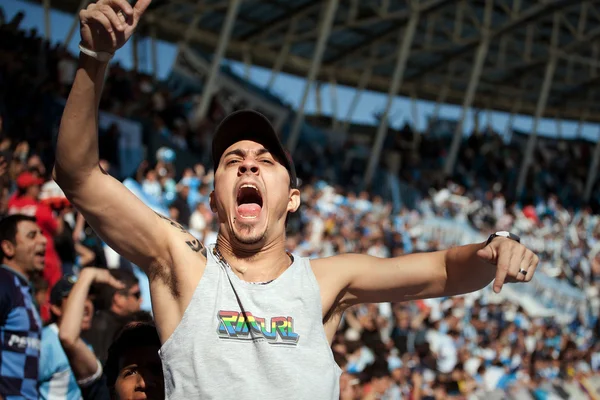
[249, 201]
[40, 253]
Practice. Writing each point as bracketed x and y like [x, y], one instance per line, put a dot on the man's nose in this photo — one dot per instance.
[248, 166]
[141, 382]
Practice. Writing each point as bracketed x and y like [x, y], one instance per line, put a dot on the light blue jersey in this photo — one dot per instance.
[56, 380]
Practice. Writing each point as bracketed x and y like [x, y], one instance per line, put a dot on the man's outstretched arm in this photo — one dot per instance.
[459, 270]
[120, 218]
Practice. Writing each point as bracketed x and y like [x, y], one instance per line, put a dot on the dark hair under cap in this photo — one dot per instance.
[251, 125]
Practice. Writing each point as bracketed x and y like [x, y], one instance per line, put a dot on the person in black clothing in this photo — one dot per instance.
[182, 206]
[116, 306]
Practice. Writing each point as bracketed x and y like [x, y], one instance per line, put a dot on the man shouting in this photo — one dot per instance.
[244, 317]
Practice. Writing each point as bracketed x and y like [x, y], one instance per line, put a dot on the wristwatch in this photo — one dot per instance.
[504, 234]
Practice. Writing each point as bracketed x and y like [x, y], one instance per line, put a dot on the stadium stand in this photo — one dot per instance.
[533, 341]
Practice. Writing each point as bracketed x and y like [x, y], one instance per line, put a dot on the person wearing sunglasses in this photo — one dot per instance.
[115, 306]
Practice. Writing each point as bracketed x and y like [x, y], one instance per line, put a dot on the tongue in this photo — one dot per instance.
[248, 210]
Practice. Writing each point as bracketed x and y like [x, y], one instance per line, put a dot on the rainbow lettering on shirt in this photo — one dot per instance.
[245, 326]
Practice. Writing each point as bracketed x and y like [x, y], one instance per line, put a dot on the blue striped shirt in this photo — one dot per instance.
[20, 330]
[56, 378]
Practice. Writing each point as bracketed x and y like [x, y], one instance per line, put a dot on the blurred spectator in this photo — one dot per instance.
[56, 378]
[26, 201]
[22, 247]
[115, 308]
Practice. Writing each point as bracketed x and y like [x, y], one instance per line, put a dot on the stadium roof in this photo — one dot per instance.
[520, 42]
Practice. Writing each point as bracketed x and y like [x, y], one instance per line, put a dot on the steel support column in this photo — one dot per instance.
[213, 74]
[334, 101]
[405, 37]
[247, 64]
[468, 100]
[74, 24]
[362, 84]
[47, 28]
[539, 112]
[318, 99]
[324, 32]
[593, 173]
[283, 53]
[188, 32]
[414, 107]
[480, 56]
[541, 104]
[508, 130]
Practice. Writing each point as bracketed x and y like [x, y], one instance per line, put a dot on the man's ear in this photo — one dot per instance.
[211, 199]
[294, 201]
[8, 248]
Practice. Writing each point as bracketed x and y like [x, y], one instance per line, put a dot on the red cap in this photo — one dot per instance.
[27, 179]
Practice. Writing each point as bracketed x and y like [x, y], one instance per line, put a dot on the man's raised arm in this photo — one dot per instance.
[120, 218]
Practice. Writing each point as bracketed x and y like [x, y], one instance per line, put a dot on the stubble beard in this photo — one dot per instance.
[249, 239]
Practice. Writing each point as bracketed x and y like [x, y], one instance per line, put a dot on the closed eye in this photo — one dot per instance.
[267, 161]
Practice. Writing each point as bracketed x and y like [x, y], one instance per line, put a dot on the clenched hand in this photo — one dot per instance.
[514, 262]
[107, 24]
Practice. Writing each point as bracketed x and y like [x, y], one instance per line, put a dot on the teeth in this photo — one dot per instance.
[254, 217]
[249, 185]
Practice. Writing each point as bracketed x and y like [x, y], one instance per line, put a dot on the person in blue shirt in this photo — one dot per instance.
[56, 379]
[22, 251]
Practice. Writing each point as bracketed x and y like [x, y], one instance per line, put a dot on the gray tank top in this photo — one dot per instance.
[245, 341]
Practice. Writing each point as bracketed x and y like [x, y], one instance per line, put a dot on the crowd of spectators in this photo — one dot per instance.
[474, 346]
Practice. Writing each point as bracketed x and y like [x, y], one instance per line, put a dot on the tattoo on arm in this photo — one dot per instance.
[194, 244]
[173, 223]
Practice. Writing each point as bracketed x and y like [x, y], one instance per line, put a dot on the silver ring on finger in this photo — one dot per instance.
[523, 271]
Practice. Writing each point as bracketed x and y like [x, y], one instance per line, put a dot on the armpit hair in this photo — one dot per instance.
[337, 309]
[163, 271]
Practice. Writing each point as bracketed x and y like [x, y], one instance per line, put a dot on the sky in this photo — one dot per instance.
[290, 88]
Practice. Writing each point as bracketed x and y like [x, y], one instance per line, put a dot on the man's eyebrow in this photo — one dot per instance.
[243, 153]
[235, 152]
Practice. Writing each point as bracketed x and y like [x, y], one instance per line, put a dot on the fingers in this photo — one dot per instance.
[110, 13]
[502, 267]
[533, 263]
[523, 266]
[115, 283]
[106, 10]
[139, 8]
[93, 15]
[121, 5]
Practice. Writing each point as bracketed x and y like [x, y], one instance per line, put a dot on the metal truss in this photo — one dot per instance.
[537, 57]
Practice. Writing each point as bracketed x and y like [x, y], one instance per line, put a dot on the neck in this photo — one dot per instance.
[15, 267]
[255, 265]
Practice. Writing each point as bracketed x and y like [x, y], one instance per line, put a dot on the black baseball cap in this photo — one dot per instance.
[61, 289]
[251, 125]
